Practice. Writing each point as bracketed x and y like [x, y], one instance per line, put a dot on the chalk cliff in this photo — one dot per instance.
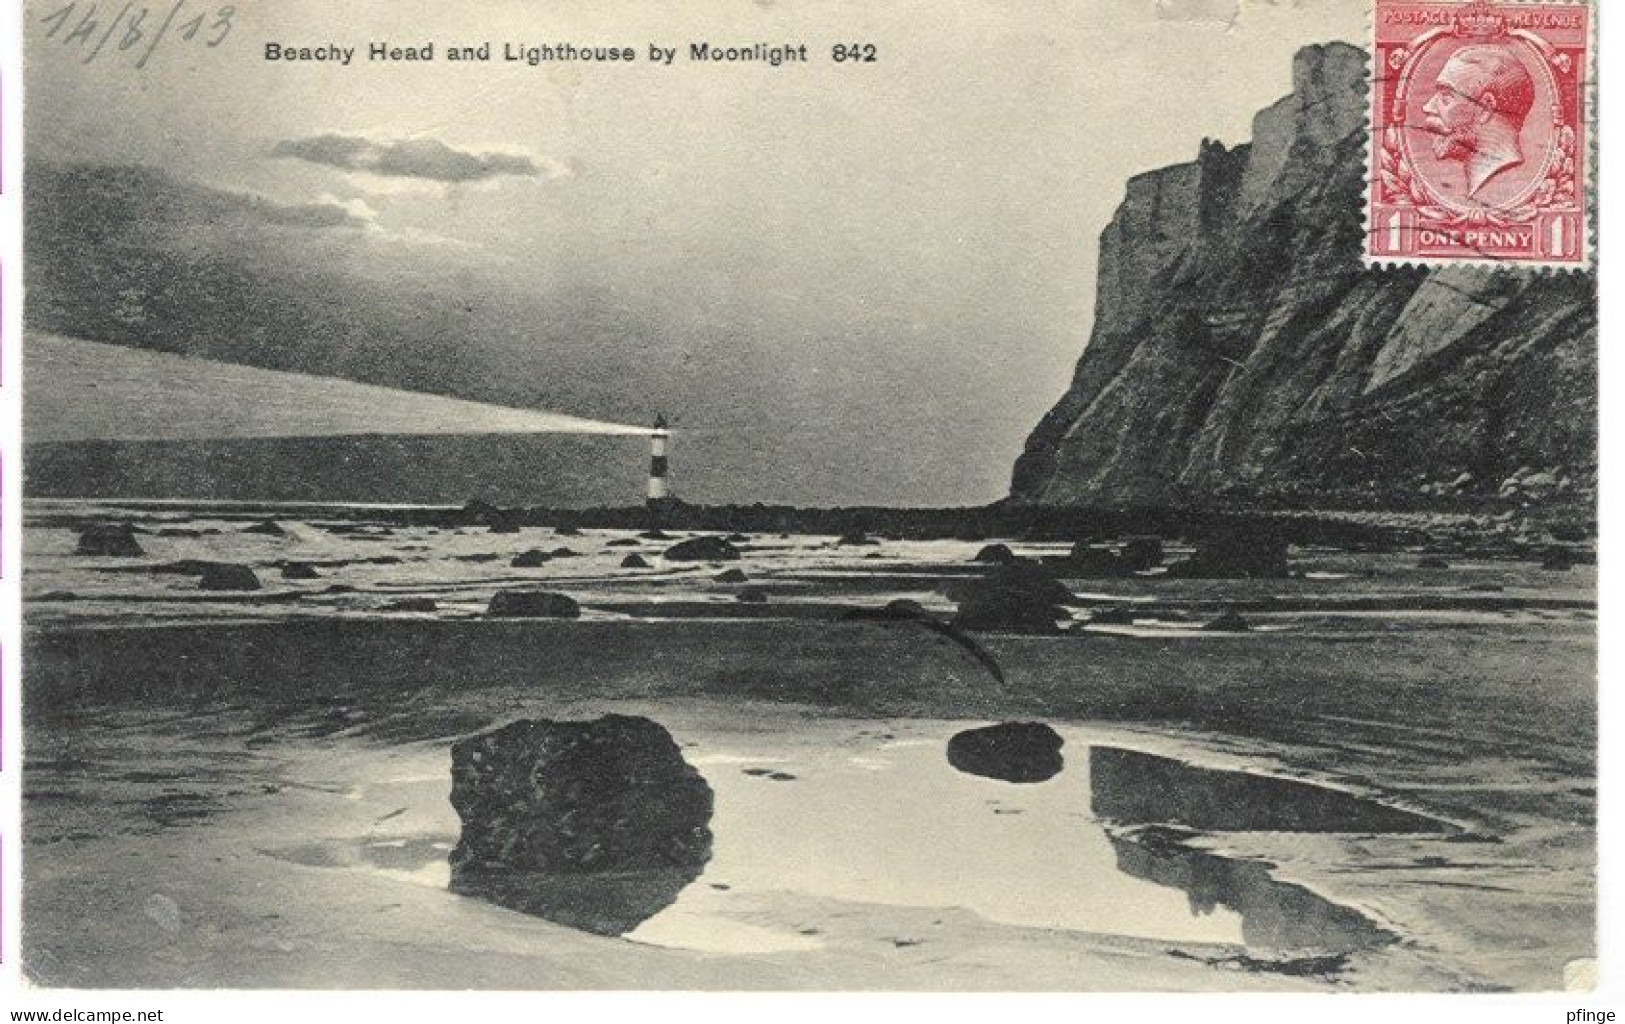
[1241, 352]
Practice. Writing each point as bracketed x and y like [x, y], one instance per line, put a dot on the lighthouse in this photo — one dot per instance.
[659, 490]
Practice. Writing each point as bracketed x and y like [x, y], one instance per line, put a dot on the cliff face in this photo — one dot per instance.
[1240, 350]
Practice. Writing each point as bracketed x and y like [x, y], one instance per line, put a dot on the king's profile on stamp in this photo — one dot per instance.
[1477, 111]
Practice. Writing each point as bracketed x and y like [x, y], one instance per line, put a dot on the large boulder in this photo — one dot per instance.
[1235, 554]
[532, 604]
[227, 576]
[596, 825]
[1013, 598]
[1012, 752]
[702, 549]
[110, 541]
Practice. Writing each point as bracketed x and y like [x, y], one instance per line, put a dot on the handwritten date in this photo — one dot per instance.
[138, 28]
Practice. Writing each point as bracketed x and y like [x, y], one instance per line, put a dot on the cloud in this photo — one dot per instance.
[424, 159]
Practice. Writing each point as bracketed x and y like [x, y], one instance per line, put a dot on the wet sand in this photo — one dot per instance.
[216, 797]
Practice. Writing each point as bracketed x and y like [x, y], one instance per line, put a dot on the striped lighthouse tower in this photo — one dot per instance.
[659, 490]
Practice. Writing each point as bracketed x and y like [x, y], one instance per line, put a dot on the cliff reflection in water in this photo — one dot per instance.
[1275, 916]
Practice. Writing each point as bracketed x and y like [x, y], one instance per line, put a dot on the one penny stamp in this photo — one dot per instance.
[1480, 133]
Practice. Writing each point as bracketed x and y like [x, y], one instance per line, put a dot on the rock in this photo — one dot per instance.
[998, 554]
[1118, 616]
[655, 535]
[299, 571]
[634, 562]
[1229, 622]
[267, 528]
[1012, 752]
[566, 531]
[623, 542]
[903, 608]
[738, 538]
[596, 825]
[535, 558]
[732, 576]
[1432, 562]
[340, 588]
[1557, 560]
[227, 576]
[563, 552]
[1013, 598]
[1091, 563]
[1141, 553]
[109, 541]
[855, 538]
[751, 595]
[702, 549]
[532, 604]
[1235, 554]
[898, 610]
[412, 604]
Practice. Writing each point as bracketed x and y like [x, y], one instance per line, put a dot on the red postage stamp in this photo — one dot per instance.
[1480, 136]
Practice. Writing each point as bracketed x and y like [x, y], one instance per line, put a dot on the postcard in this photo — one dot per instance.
[1066, 496]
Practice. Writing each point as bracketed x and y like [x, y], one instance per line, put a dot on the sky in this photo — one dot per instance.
[897, 258]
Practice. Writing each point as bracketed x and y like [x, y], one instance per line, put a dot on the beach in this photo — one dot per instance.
[249, 789]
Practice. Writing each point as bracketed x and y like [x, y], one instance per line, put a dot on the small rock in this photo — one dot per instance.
[299, 571]
[751, 595]
[1141, 553]
[1111, 617]
[226, 576]
[623, 542]
[732, 576]
[855, 538]
[1012, 752]
[655, 535]
[412, 604]
[998, 554]
[535, 558]
[1229, 622]
[566, 531]
[1092, 563]
[267, 528]
[110, 541]
[702, 549]
[532, 604]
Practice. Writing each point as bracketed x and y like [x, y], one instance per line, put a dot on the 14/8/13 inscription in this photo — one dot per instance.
[771, 55]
